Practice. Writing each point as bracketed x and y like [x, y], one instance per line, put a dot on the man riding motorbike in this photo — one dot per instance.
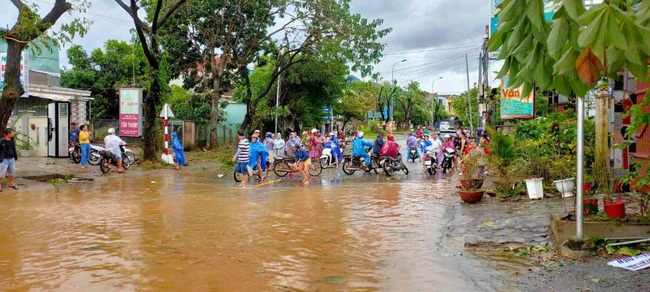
[112, 143]
[425, 143]
[412, 142]
[359, 148]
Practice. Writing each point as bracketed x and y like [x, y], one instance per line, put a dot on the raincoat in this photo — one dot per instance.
[390, 148]
[179, 155]
[258, 152]
[359, 149]
[425, 144]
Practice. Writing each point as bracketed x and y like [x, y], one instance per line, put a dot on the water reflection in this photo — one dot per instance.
[196, 234]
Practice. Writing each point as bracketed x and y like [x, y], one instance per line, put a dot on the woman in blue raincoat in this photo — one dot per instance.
[179, 156]
[258, 154]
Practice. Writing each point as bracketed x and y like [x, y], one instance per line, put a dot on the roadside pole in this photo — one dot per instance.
[166, 114]
[580, 166]
[469, 98]
[277, 104]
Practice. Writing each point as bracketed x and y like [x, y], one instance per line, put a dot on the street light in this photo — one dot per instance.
[432, 99]
[392, 97]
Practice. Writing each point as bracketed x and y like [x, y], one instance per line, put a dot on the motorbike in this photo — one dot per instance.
[413, 153]
[430, 162]
[391, 165]
[254, 173]
[283, 166]
[74, 151]
[327, 159]
[95, 156]
[108, 159]
[448, 160]
[352, 163]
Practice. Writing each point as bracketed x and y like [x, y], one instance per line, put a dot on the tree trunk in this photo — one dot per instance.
[150, 117]
[601, 163]
[13, 89]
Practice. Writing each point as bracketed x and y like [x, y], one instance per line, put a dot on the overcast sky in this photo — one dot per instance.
[433, 35]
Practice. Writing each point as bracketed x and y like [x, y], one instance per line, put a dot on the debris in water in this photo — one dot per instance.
[153, 181]
[220, 175]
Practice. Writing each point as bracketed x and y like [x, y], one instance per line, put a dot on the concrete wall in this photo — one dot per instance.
[563, 230]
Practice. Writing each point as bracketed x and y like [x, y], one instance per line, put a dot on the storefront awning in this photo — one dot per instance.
[58, 93]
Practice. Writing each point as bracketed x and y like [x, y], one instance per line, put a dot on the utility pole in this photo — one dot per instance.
[469, 98]
[433, 97]
[392, 94]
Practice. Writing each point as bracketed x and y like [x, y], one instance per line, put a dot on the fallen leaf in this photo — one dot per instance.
[588, 67]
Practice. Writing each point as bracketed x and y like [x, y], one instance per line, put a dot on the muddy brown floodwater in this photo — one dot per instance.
[199, 233]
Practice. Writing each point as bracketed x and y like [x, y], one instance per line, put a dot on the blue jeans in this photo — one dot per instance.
[85, 153]
[242, 168]
[8, 167]
[366, 156]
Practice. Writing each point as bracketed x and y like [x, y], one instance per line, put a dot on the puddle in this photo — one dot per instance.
[58, 177]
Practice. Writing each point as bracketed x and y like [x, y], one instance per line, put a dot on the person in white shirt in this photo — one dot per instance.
[112, 143]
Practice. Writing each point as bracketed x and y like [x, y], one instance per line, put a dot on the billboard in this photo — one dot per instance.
[513, 105]
[131, 112]
[24, 72]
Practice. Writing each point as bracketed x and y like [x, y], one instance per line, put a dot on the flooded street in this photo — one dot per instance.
[195, 232]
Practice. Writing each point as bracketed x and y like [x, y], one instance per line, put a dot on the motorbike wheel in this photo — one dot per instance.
[323, 163]
[130, 156]
[281, 168]
[94, 159]
[404, 168]
[346, 167]
[76, 155]
[429, 171]
[388, 167]
[126, 163]
[236, 176]
[315, 169]
[104, 165]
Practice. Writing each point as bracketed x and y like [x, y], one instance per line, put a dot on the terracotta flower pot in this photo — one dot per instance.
[587, 188]
[614, 209]
[471, 183]
[471, 196]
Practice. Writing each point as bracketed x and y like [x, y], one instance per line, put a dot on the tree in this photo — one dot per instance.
[303, 94]
[412, 99]
[187, 105]
[438, 110]
[148, 37]
[319, 27]
[459, 104]
[203, 37]
[354, 105]
[104, 72]
[30, 28]
[579, 48]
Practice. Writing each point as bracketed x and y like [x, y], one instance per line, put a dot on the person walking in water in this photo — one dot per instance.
[84, 143]
[241, 157]
[179, 154]
[9, 156]
[303, 162]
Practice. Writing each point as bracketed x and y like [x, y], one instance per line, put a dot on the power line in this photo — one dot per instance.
[431, 50]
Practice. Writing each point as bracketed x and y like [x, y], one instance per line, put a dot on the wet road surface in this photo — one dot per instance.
[193, 232]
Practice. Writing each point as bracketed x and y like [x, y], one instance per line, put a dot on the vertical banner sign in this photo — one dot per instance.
[513, 105]
[131, 112]
[24, 72]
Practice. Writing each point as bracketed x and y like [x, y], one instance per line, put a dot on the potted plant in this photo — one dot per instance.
[590, 202]
[472, 177]
[25, 144]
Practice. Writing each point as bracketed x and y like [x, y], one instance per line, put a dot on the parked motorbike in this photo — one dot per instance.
[448, 160]
[391, 165]
[74, 152]
[95, 156]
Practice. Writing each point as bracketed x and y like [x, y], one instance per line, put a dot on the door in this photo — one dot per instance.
[51, 129]
[38, 134]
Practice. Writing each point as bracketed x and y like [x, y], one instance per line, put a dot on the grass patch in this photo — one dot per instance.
[222, 155]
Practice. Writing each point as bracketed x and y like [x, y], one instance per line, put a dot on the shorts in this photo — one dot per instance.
[8, 167]
[242, 168]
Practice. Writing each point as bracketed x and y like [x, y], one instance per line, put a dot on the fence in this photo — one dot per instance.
[193, 135]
